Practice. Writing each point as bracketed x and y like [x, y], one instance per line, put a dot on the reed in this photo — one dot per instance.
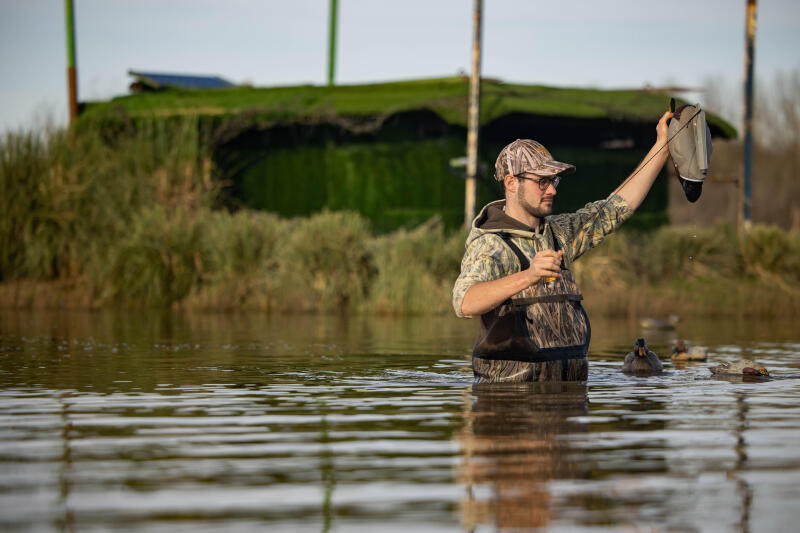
[415, 270]
[66, 196]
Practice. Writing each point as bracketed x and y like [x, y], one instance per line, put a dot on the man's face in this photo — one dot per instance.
[532, 198]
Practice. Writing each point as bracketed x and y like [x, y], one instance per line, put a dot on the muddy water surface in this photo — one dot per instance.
[141, 421]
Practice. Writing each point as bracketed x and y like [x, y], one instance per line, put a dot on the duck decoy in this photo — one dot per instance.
[641, 360]
[740, 367]
[694, 353]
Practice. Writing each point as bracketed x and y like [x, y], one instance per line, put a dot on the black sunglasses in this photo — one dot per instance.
[543, 183]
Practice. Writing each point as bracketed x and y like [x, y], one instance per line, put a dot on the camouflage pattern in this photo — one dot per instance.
[550, 324]
[553, 324]
[525, 155]
[498, 371]
[540, 323]
[740, 367]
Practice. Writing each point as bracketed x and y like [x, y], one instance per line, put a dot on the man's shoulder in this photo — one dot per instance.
[486, 239]
[489, 245]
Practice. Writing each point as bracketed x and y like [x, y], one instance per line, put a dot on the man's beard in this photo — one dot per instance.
[539, 212]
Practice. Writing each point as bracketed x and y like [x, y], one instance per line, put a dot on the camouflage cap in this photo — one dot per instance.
[525, 155]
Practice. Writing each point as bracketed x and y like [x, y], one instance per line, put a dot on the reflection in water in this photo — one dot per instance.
[326, 467]
[742, 487]
[512, 447]
[65, 473]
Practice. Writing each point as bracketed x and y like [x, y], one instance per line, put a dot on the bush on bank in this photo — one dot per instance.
[133, 220]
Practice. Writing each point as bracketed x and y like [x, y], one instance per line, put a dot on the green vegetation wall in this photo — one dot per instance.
[402, 182]
[391, 183]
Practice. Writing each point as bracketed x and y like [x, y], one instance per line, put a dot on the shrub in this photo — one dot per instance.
[325, 263]
[771, 249]
[158, 262]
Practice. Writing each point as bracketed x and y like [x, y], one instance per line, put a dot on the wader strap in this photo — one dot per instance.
[557, 245]
[524, 262]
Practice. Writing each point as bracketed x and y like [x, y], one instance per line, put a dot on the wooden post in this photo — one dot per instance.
[72, 78]
[473, 119]
[747, 124]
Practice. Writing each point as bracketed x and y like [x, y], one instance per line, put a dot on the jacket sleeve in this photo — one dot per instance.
[486, 259]
[586, 228]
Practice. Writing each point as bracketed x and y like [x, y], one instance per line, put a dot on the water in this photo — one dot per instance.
[139, 421]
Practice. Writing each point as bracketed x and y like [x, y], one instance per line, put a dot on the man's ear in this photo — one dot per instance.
[510, 183]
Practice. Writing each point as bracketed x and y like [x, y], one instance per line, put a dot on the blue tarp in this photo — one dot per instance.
[180, 81]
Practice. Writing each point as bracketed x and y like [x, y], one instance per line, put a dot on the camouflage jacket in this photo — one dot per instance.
[488, 258]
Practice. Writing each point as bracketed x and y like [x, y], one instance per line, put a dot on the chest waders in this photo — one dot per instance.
[541, 333]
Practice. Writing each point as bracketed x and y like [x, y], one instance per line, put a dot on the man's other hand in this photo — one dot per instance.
[545, 264]
[662, 130]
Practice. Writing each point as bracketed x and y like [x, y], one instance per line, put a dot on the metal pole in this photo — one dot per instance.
[332, 43]
[749, 60]
[473, 119]
[72, 82]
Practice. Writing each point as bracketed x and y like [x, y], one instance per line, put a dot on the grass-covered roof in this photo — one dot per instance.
[447, 97]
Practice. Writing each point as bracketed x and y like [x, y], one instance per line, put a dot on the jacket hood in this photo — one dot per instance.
[493, 219]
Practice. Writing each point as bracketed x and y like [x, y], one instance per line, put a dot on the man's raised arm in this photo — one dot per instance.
[636, 188]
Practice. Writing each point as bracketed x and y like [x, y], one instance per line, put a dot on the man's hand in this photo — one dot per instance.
[545, 264]
[662, 130]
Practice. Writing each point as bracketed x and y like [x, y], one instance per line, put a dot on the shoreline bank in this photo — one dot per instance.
[692, 299]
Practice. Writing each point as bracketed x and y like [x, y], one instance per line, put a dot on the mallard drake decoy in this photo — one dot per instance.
[657, 323]
[695, 353]
[740, 367]
[641, 360]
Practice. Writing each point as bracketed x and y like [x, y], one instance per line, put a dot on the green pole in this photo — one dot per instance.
[72, 83]
[332, 44]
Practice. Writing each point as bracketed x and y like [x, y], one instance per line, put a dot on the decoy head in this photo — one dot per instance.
[760, 371]
[640, 348]
[679, 347]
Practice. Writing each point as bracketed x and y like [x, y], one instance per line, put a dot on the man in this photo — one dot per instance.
[516, 272]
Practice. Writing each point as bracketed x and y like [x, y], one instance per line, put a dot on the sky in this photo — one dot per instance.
[575, 43]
